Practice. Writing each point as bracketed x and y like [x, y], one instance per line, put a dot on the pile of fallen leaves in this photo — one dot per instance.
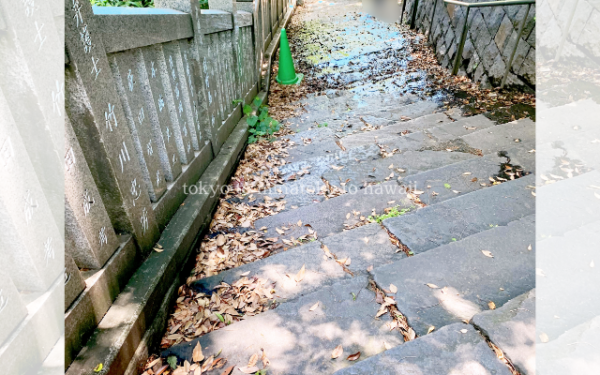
[198, 313]
[388, 306]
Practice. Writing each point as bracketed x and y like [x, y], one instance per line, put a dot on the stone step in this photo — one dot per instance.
[454, 282]
[299, 341]
[512, 328]
[362, 146]
[563, 296]
[365, 246]
[447, 351]
[465, 215]
[327, 144]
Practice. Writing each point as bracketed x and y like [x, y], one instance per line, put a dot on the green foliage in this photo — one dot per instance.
[124, 3]
[261, 372]
[323, 125]
[260, 123]
[447, 186]
[203, 4]
[172, 361]
[220, 317]
[392, 213]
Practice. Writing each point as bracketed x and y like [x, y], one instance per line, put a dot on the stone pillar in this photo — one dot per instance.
[231, 7]
[164, 129]
[124, 66]
[74, 283]
[204, 66]
[31, 244]
[100, 125]
[87, 225]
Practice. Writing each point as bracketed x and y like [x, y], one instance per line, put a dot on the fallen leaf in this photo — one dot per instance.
[228, 370]
[592, 265]
[432, 286]
[370, 268]
[248, 370]
[99, 367]
[529, 247]
[221, 240]
[544, 337]
[265, 361]
[337, 352]
[300, 274]
[393, 288]
[299, 223]
[387, 346]
[353, 357]
[430, 329]
[487, 253]
[197, 355]
[313, 308]
[492, 305]
[463, 330]
[253, 360]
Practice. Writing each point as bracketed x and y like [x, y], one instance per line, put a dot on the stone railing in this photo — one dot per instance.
[153, 99]
[31, 185]
[492, 34]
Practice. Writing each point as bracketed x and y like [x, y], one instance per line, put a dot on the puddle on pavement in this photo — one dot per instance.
[358, 53]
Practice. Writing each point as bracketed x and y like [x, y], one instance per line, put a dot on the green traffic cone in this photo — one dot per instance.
[287, 74]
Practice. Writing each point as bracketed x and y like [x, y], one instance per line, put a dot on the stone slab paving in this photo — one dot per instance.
[504, 136]
[463, 280]
[458, 218]
[512, 328]
[447, 351]
[365, 246]
[299, 341]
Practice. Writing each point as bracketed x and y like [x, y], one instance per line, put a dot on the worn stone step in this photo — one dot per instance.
[447, 351]
[454, 282]
[299, 341]
[330, 216]
[328, 144]
[563, 294]
[465, 215]
[503, 136]
[362, 146]
[512, 328]
[390, 135]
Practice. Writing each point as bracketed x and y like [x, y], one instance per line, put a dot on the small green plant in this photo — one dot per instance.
[453, 239]
[323, 125]
[447, 186]
[392, 213]
[172, 361]
[354, 297]
[261, 124]
[220, 317]
[203, 4]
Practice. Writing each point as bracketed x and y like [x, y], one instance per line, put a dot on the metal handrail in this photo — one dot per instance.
[463, 37]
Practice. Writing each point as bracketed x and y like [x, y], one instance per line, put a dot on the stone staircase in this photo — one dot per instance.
[461, 247]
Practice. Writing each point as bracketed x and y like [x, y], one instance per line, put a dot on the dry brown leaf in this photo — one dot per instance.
[492, 305]
[487, 253]
[432, 286]
[221, 240]
[300, 274]
[253, 360]
[393, 288]
[248, 370]
[228, 370]
[265, 361]
[314, 307]
[463, 331]
[353, 357]
[430, 329]
[337, 352]
[370, 268]
[197, 355]
[387, 346]
[544, 337]
[208, 363]
[299, 223]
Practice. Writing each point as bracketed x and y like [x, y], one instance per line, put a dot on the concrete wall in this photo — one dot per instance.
[490, 40]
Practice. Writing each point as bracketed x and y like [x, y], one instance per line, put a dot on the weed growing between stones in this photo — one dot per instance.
[261, 125]
[389, 212]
